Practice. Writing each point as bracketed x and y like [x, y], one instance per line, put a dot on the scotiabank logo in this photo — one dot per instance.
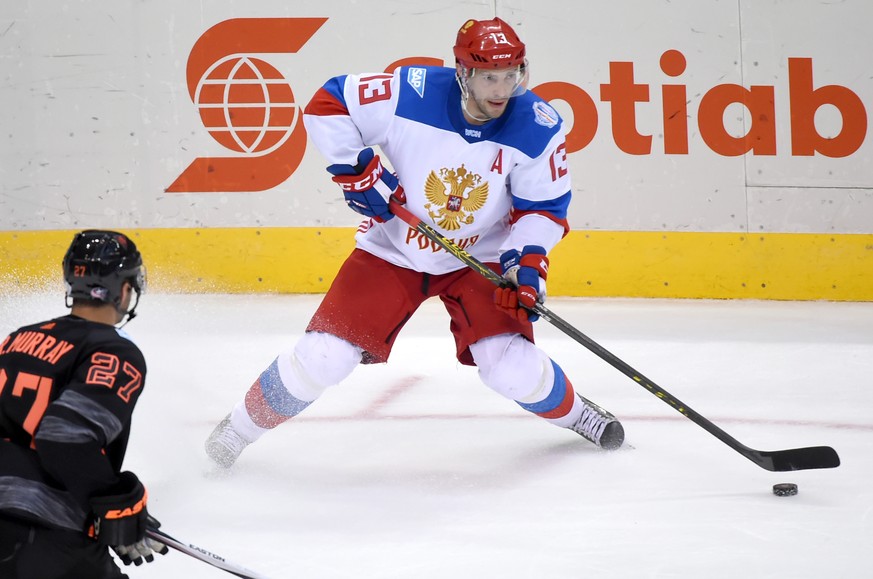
[623, 95]
[248, 107]
[246, 104]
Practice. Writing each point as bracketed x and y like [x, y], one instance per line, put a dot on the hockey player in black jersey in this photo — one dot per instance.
[68, 387]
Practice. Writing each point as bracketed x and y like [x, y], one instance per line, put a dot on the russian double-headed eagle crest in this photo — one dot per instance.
[453, 196]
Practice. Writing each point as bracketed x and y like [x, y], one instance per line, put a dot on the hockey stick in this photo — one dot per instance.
[203, 555]
[772, 460]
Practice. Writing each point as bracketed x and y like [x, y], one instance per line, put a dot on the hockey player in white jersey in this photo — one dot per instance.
[484, 161]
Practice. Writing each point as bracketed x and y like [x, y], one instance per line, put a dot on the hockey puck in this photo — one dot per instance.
[785, 489]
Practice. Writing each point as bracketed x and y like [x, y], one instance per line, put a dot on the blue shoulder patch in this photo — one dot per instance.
[424, 95]
[335, 87]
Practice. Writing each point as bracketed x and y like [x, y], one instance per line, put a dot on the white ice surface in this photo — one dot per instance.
[416, 470]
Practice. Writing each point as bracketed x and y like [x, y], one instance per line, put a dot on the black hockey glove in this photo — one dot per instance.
[121, 520]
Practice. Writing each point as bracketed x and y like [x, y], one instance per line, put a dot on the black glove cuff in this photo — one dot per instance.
[120, 516]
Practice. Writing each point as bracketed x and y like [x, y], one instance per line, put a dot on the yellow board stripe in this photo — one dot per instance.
[222, 260]
[779, 266]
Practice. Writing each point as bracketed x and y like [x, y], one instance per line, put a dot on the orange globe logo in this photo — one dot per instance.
[246, 105]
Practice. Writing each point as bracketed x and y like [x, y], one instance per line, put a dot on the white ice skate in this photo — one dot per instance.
[225, 444]
[598, 426]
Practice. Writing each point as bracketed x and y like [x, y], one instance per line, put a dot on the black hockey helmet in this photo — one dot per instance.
[98, 263]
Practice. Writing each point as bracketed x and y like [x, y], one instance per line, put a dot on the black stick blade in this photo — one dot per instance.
[796, 458]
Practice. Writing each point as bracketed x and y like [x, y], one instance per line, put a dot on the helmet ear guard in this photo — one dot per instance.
[97, 265]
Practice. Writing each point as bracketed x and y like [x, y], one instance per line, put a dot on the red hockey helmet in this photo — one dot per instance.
[488, 44]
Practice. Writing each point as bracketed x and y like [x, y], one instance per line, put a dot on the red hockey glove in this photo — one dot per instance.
[527, 272]
[367, 186]
[121, 519]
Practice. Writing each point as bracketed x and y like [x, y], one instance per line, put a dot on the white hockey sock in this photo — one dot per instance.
[242, 423]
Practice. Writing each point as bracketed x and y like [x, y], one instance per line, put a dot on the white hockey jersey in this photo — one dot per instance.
[489, 188]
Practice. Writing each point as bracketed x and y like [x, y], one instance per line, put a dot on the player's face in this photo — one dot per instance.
[490, 90]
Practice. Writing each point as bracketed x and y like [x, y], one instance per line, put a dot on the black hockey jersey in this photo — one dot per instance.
[68, 387]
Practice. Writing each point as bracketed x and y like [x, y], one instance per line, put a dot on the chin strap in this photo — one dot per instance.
[131, 313]
[472, 116]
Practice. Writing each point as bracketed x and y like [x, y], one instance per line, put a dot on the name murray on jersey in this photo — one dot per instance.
[36, 344]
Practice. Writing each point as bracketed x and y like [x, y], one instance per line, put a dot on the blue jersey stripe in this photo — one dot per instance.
[435, 100]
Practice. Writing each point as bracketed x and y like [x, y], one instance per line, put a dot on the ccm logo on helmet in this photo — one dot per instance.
[497, 56]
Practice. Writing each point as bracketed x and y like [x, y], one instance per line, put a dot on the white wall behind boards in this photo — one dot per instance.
[97, 120]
